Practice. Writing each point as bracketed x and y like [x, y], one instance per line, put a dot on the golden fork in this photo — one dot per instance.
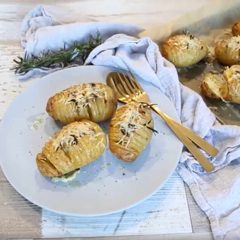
[127, 89]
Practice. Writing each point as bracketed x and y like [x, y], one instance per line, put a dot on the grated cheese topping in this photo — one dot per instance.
[72, 135]
[234, 43]
[234, 80]
[129, 122]
[185, 41]
[85, 94]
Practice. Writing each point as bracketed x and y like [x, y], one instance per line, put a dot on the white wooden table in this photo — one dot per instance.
[171, 213]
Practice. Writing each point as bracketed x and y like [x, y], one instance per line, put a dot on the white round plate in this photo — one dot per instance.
[105, 186]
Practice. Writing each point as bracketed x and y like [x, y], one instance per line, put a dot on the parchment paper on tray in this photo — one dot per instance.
[212, 29]
[211, 23]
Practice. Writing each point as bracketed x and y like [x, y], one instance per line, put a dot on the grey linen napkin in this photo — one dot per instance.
[47, 28]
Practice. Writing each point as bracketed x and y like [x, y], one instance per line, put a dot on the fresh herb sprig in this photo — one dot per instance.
[76, 54]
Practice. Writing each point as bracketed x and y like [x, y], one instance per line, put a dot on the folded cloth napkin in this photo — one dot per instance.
[217, 193]
[46, 29]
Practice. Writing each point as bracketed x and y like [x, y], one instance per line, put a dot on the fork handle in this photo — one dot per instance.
[207, 165]
[207, 147]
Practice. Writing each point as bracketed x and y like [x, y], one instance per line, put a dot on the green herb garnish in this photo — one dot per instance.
[76, 54]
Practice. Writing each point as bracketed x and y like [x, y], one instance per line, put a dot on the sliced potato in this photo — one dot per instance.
[224, 86]
[130, 131]
[93, 101]
[232, 77]
[184, 50]
[214, 85]
[227, 51]
[75, 145]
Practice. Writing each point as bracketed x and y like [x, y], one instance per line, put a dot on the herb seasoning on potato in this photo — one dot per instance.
[130, 131]
[92, 101]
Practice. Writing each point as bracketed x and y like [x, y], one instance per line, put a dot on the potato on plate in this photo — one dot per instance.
[74, 146]
[93, 101]
[130, 131]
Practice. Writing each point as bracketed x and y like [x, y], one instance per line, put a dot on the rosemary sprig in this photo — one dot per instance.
[76, 54]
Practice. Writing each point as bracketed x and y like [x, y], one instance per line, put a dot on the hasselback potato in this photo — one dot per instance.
[232, 77]
[184, 50]
[75, 145]
[93, 101]
[130, 131]
[227, 51]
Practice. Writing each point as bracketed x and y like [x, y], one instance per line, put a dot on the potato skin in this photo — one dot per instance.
[75, 145]
[130, 131]
[227, 51]
[184, 50]
[232, 77]
[236, 29]
[92, 101]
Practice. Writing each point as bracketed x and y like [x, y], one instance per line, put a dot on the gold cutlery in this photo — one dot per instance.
[127, 89]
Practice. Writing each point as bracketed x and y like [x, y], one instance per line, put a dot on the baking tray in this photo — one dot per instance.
[211, 29]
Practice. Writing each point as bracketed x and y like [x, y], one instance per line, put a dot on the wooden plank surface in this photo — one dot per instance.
[165, 212]
[21, 219]
[10, 87]
[199, 220]
[181, 236]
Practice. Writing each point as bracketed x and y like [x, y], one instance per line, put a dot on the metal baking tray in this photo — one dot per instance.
[211, 30]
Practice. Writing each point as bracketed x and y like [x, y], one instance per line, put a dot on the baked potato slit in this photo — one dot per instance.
[95, 102]
[72, 147]
[129, 133]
